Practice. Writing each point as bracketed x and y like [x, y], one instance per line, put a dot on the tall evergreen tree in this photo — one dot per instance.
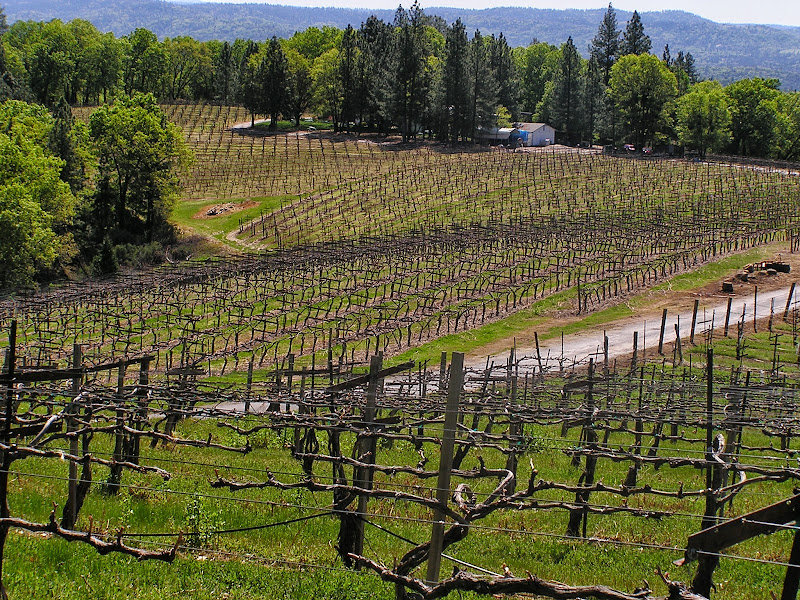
[348, 74]
[224, 73]
[593, 95]
[566, 99]
[246, 91]
[63, 143]
[635, 40]
[605, 46]
[685, 62]
[483, 84]
[274, 82]
[410, 81]
[666, 56]
[505, 72]
[455, 92]
[376, 57]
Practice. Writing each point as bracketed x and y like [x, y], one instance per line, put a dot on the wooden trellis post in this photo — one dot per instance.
[70, 513]
[445, 465]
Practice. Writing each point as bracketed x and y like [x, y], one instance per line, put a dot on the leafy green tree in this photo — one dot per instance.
[537, 65]
[753, 115]
[51, 61]
[703, 118]
[104, 59]
[787, 130]
[144, 63]
[605, 46]
[641, 87]
[300, 84]
[139, 153]
[327, 85]
[313, 42]
[186, 62]
[568, 86]
[36, 207]
[635, 40]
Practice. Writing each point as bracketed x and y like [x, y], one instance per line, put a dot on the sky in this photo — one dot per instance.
[777, 12]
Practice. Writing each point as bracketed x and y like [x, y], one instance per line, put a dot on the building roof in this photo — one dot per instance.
[531, 127]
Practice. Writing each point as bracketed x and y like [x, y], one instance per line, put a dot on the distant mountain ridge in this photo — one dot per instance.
[722, 51]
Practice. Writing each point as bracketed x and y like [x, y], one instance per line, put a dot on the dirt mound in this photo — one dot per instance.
[225, 208]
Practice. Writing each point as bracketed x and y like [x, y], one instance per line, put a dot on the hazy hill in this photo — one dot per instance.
[724, 52]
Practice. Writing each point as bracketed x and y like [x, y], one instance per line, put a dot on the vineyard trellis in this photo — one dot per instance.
[418, 244]
[500, 417]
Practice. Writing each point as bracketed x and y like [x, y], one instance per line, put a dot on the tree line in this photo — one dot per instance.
[413, 75]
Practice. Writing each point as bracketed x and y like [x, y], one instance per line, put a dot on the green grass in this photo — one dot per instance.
[218, 227]
[525, 540]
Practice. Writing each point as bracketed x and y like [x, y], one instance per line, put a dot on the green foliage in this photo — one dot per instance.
[201, 521]
[139, 154]
[753, 115]
[565, 103]
[35, 205]
[704, 119]
[537, 65]
[605, 46]
[105, 262]
[635, 40]
[641, 88]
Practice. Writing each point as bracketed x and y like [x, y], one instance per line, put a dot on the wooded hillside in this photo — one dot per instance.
[723, 52]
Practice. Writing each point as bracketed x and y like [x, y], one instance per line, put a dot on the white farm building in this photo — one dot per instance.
[536, 134]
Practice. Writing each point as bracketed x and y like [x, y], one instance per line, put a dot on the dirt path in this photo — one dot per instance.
[580, 347]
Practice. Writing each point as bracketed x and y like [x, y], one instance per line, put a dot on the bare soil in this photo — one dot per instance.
[224, 208]
[676, 302]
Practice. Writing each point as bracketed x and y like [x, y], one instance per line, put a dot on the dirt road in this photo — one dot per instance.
[580, 347]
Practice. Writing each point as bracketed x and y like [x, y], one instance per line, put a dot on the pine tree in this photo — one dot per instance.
[666, 56]
[566, 99]
[348, 76]
[275, 82]
[224, 73]
[634, 40]
[605, 46]
[376, 57]
[505, 73]
[593, 94]
[410, 83]
[454, 94]
[483, 92]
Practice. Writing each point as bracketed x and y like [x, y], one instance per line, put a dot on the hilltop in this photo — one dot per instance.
[725, 52]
